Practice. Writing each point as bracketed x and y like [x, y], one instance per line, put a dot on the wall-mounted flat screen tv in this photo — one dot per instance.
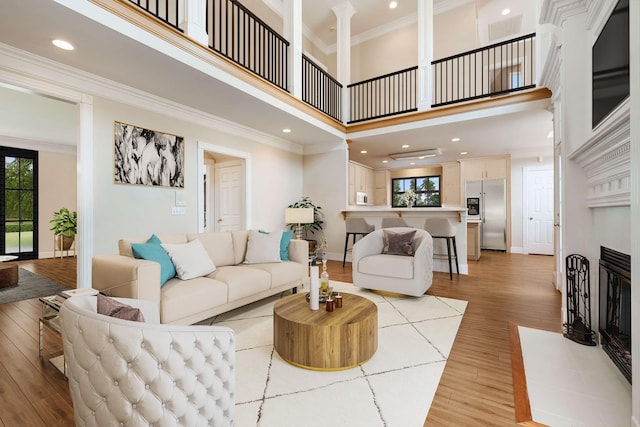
[610, 55]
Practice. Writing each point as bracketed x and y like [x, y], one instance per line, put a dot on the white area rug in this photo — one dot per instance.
[394, 388]
[570, 384]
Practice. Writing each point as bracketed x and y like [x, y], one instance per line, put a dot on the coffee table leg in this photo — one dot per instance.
[40, 336]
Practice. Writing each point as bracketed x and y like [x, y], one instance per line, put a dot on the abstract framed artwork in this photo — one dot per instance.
[148, 157]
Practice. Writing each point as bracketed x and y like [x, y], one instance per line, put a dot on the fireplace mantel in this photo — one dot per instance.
[606, 160]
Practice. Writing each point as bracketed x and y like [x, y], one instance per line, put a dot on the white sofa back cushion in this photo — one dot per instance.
[218, 245]
[263, 247]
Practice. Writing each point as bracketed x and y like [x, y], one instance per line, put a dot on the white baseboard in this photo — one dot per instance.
[517, 250]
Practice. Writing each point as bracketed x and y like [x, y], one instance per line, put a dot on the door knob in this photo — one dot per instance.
[530, 218]
[219, 219]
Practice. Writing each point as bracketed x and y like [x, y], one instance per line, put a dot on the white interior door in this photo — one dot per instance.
[228, 196]
[540, 211]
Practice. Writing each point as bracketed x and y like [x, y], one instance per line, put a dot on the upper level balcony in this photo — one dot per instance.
[231, 30]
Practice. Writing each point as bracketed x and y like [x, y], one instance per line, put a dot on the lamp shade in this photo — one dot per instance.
[298, 215]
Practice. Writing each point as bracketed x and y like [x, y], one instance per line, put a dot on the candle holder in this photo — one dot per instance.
[329, 304]
[338, 302]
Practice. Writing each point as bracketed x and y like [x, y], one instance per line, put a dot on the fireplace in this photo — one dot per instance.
[615, 308]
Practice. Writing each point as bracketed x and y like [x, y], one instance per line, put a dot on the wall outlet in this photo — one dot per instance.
[178, 210]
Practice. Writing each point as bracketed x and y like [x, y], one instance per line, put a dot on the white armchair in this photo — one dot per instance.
[408, 275]
[140, 374]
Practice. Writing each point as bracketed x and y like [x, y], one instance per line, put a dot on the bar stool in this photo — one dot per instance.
[394, 222]
[442, 228]
[355, 227]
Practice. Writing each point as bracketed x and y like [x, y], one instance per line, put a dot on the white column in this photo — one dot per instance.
[292, 15]
[194, 20]
[425, 54]
[84, 183]
[344, 12]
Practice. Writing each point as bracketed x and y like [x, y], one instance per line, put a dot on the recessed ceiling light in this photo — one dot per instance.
[286, 130]
[412, 163]
[406, 146]
[385, 161]
[363, 152]
[62, 44]
[393, 5]
[506, 12]
[455, 139]
[462, 153]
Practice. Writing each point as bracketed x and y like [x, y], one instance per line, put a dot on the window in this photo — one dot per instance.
[19, 202]
[426, 187]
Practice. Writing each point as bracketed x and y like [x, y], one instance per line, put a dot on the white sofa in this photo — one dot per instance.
[233, 283]
[408, 275]
[130, 373]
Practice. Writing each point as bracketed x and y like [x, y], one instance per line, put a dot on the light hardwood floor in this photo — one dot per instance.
[476, 387]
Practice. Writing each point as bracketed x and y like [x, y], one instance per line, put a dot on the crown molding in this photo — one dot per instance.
[550, 76]
[38, 145]
[606, 161]
[557, 11]
[47, 74]
[598, 13]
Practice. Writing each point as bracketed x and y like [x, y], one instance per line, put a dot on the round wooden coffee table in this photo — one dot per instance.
[322, 340]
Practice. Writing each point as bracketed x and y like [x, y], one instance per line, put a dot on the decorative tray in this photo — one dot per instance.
[323, 298]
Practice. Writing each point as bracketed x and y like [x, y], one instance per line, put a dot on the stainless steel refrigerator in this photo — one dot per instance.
[487, 203]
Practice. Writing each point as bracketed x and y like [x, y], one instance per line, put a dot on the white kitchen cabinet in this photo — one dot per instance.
[485, 168]
[450, 185]
[361, 179]
[382, 190]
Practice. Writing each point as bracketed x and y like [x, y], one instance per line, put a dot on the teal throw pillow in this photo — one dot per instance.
[284, 243]
[152, 251]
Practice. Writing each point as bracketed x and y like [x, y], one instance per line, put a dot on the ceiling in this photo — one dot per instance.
[32, 24]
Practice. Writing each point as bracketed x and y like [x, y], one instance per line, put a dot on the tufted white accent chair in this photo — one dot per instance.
[124, 373]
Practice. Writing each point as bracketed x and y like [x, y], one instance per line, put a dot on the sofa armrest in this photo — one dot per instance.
[299, 251]
[126, 277]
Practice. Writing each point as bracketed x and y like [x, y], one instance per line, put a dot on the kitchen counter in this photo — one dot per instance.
[415, 217]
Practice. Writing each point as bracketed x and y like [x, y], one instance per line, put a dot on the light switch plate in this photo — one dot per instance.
[178, 210]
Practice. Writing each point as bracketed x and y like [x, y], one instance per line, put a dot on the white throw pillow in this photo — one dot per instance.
[190, 259]
[263, 247]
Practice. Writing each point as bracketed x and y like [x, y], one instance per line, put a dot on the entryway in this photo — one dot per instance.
[538, 229]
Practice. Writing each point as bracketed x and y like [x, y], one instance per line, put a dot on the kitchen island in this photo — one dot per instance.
[415, 217]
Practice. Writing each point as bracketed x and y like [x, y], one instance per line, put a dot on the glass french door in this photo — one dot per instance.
[19, 202]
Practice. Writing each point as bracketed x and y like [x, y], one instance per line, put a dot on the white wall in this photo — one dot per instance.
[56, 189]
[517, 198]
[122, 210]
[326, 182]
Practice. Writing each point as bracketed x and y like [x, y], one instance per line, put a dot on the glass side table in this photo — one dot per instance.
[50, 317]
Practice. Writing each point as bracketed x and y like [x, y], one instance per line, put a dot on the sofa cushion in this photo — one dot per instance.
[242, 280]
[184, 298]
[398, 242]
[398, 267]
[263, 247]
[219, 246]
[190, 259]
[283, 272]
[152, 251]
[239, 238]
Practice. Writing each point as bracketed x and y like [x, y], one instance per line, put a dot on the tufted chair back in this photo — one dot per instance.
[124, 373]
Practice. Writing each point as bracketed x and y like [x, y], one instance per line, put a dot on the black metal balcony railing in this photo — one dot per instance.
[492, 70]
[383, 96]
[165, 10]
[320, 90]
[235, 32]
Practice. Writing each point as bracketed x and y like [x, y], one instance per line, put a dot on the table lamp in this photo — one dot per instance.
[298, 216]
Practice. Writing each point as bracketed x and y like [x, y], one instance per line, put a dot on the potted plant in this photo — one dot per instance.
[64, 227]
[318, 217]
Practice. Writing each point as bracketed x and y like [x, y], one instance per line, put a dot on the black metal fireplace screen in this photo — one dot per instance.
[578, 326]
[615, 308]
